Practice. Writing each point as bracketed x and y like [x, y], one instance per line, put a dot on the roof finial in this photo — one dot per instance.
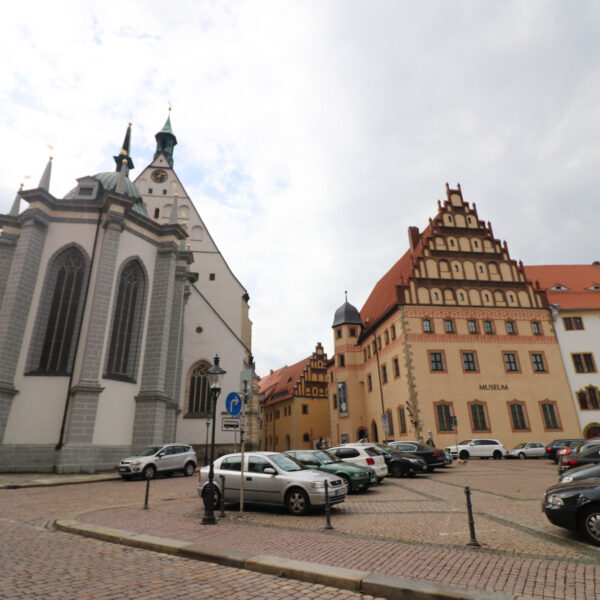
[125, 151]
[45, 180]
[346, 292]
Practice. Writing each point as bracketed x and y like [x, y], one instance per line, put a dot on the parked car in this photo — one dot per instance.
[590, 457]
[581, 473]
[432, 456]
[272, 478]
[479, 448]
[527, 450]
[402, 464]
[363, 454]
[166, 459]
[357, 478]
[575, 506]
[571, 451]
[555, 445]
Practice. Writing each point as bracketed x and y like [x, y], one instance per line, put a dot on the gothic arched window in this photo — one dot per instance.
[127, 323]
[54, 338]
[199, 390]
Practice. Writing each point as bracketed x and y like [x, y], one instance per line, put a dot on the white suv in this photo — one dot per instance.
[479, 448]
[363, 454]
[167, 459]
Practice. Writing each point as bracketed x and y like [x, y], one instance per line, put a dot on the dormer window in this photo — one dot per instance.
[558, 287]
[595, 287]
[86, 191]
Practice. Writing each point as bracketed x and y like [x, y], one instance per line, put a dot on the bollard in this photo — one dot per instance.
[147, 494]
[222, 513]
[327, 507]
[473, 543]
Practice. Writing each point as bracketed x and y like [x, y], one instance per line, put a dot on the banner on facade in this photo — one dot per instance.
[342, 399]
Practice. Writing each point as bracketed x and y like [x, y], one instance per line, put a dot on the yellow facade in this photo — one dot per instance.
[295, 404]
[453, 330]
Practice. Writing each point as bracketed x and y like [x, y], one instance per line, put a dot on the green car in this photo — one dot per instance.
[357, 478]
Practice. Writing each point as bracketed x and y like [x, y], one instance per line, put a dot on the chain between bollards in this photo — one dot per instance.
[222, 503]
[327, 507]
[147, 494]
[473, 543]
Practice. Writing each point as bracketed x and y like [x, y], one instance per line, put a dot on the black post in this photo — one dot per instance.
[473, 543]
[206, 444]
[209, 501]
[147, 494]
[222, 513]
[327, 507]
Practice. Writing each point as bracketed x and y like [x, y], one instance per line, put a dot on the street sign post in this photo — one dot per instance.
[230, 424]
[385, 424]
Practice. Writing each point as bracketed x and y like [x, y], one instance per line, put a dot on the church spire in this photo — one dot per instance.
[16, 207]
[166, 141]
[125, 152]
[45, 180]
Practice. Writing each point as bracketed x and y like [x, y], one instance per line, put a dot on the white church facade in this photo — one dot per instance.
[113, 302]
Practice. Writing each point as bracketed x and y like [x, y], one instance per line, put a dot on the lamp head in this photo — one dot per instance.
[215, 375]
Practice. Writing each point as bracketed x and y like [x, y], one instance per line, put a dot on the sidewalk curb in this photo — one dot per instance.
[53, 482]
[392, 588]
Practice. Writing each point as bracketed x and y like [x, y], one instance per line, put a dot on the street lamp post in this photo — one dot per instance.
[215, 375]
[206, 444]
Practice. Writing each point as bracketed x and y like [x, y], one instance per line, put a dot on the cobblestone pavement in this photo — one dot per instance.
[406, 528]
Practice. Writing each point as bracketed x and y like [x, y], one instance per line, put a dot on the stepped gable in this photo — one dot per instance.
[578, 280]
[280, 384]
[455, 261]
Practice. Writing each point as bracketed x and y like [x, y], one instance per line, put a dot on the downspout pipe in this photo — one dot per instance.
[60, 443]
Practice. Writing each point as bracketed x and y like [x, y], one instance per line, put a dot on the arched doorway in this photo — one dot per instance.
[362, 434]
[591, 430]
[375, 435]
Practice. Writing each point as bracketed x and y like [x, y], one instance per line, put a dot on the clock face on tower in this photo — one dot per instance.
[159, 176]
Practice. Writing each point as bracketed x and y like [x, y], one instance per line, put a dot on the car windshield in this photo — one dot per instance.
[326, 458]
[389, 449]
[520, 446]
[465, 442]
[150, 451]
[286, 463]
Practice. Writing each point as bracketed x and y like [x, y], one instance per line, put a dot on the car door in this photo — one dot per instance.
[476, 448]
[260, 486]
[168, 460]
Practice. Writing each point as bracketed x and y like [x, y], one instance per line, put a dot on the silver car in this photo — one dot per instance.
[166, 458]
[527, 450]
[272, 478]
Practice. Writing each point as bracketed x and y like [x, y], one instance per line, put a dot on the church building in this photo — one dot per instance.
[113, 302]
[454, 341]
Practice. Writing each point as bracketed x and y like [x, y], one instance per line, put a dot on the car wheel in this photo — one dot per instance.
[430, 468]
[216, 497]
[296, 502]
[346, 481]
[397, 470]
[521, 456]
[189, 469]
[149, 472]
[410, 472]
[497, 455]
[464, 455]
[589, 523]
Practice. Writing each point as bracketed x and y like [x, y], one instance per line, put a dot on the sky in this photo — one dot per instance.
[312, 134]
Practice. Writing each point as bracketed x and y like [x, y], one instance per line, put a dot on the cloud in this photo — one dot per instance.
[312, 134]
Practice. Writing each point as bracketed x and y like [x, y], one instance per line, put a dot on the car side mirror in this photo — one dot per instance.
[269, 471]
[160, 454]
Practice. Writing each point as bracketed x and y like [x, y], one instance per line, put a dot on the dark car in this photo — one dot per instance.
[589, 457]
[357, 478]
[581, 473]
[401, 463]
[575, 506]
[432, 456]
[555, 445]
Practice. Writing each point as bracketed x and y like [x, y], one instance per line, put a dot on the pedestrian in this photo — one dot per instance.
[429, 442]
[320, 444]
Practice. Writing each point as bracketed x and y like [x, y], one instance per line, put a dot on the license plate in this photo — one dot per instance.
[123, 469]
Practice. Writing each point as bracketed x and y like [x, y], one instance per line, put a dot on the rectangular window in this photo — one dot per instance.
[374, 348]
[378, 342]
[449, 325]
[510, 362]
[536, 328]
[478, 417]
[390, 422]
[436, 361]
[568, 323]
[334, 401]
[369, 383]
[383, 373]
[444, 417]
[472, 326]
[537, 360]
[550, 417]
[469, 362]
[584, 363]
[510, 328]
[342, 360]
[352, 331]
[365, 354]
[427, 326]
[368, 351]
[305, 409]
[402, 419]
[338, 333]
[588, 361]
[517, 416]
[577, 323]
[488, 327]
[396, 364]
[393, 330]
[387, 337]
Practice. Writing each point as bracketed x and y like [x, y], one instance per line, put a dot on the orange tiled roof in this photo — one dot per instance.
[576, 278]
[280, 384]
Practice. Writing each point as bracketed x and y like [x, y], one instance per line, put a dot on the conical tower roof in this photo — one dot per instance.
[346, 314]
